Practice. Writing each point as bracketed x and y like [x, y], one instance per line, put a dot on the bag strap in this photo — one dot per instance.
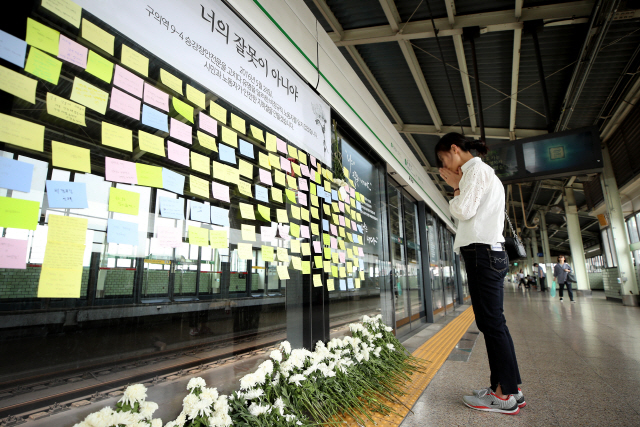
[513, 231]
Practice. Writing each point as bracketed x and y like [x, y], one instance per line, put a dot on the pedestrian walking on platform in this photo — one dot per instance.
[478, 204]
[560, 274]
[542, 276]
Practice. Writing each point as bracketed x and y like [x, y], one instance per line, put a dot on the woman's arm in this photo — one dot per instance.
[465, 206]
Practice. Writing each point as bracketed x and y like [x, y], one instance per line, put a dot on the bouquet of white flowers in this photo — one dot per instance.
[203, 407]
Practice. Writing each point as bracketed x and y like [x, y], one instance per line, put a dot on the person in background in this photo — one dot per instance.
[520, 277]
[560, 271]
[541, 276]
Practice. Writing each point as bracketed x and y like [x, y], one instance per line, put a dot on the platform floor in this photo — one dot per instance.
[580, 364]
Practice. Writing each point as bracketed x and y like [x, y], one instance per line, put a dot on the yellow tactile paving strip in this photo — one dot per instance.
[435, 351]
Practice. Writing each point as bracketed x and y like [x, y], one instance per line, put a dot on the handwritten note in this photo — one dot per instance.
[181, 131]
[172, 181]
[246, 211]
[172, 208]
[21, 133]
[257, 133]
[199, 186]
[219, 239]
[246, 149]
[220, 216]
[198, 236]
[100, 67]
[42, 65]
[42, 37]
[229, 137]
[134, 60]
[71, 157]
[18, 213]
[220, 192]
[18, 84]
[120, 171]
[178, 153]
[171, 81]
[122, 232]
[96, 35]
[271, 143]
[65, 9]
[238, 123]
[265, 177]
[15, 175]
[225, 173]
[125, 104]
[151, 143]
[67, 195]
[128, 81]
[207, 123]
[207, 141]
[200, 163]
[12, 49]
[184, 109]
[13, 253]
[154, 118]
[227, 154]
[89, 96]
[218, 113]
[283, 272]
[195, 96]
[169, 237]
[65, 109]
[245, 251]
[199, 211]
[149, 176]
[123, 201]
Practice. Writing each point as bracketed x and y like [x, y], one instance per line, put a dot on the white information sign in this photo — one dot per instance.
[206, 41]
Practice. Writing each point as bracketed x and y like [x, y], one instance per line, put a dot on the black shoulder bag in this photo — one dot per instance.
[514, 247]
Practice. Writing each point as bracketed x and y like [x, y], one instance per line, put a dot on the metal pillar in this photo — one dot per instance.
[544, 236]
[575, 240]
[424, 254]
[534, 249]
[628, 283]
[470, 33]
[527, 247]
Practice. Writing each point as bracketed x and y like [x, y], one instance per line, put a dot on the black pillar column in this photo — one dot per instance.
[424, 259]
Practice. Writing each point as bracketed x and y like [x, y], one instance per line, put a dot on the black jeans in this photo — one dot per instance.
[568, 290]
[542, 283]
[486, 270]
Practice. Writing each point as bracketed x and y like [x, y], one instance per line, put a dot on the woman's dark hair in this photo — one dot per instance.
[465, 144]
[558, 259]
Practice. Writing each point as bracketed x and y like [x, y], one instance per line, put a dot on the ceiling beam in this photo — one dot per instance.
[326, 12]
[391, 12]
[515, 73]
[494, 133]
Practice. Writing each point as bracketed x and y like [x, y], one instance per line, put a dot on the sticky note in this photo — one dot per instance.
[170, 81]
[154, 118]
[267, 253]
[207, 141]
[123, 103]
[198, 236]
[245, 251]
[206, 123]
[264, 213]
[172, 208]
[218, 113]
[220, 216]
[227, 154]
[42, 65]
[294, 246]
[120, 171]
[96, 35]
[263, 160]
[220, 192]
[178, 153]
[199, 186]
[67, 195]
[18, 84]
[61, 282]
[42, 37]
[65, 109]
[96, 99]
[282, 146]
[21, 133]
[238, 123]
[149, 176]
[229, 137]
[199, 211]
[248, 232]
[134, 60]
[285, 164]
[195, 96]
[115, 136]
[12, 49]
[124, 201]
[279, 178]
[276, 195]
[122, 232]
[72, 52]
[244, 188]
[293, 151]
[18, 213]
[151, 143]
[219, 239]
[271, 143]
[65, 9]
[71, 157]
[15, 175]
[200, 163]
[184, 109]
[274, 161]
[291, 196]
[169, 237]
[153, 96]
[281, 215]
[246, 211]
[246, 169]
[265, 177]
[262, 194]
[283, 255]
[295, 212]
[225, 173]
[172, 181]
[256, 133]
[283, 272]
[100, 67]
[296, 169]
[181, 131]
[296, 264]
[13, 253]
[246, 149]
[291, 182]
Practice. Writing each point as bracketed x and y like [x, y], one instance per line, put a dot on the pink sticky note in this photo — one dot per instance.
[347, 199]
[285, 164]
[342, 257]
[120, 171]
[73, 52]
[181, 131]
[13, 253]
[265, 177]
[316, 247]
[178, 153]
[334, 229]
[304, 170]
[341, 220]
[267, 234]
[302, 199]
[128, 81]
[169, 237]
[360, 251]
[156, 97]
[208, 123]
[353, 225]
[341, 206]
[304, 231]
[125, 104]
[220, 192]
[282, 146]
[303, 184]
[284, 231]
[334, 243]
[313, 161]
[352, 191]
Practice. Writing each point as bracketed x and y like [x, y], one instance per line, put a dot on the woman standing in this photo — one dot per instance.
[478, 204]
[560, 273]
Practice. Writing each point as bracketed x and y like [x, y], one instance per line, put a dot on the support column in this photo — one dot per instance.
[628, 283]
[534, 249]
[528, 270]
[544, 237]
[575, 241]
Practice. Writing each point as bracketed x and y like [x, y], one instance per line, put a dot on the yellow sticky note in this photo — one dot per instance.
[295, 212]
[89, 96]
[361, 275]
[257, 133]
[326, 208]
[267, 253]
[197, 97]
[246, 168]
[343, 272]
[330, 286]
[97, 36]
[263, 160]
[306, 267]
[198, 236]
[151, 143]
[149, 176]
[279, 178]
[207, 141]
[238, 123]
[315, 230]
[291, 196]
[360, 240]
[246, 211]
[317, 280]
[302, 156]
[134, 60]
[334, 206]
[219, 239]
[283, 272]
[349, 253]
[42, 65]
[296, 169]
[60, 282]
[248, 232]
[304, 214]
[200, 163]
[291, 182]
[21, 133]
[65, 9]
[18, 213]
[341, 231]
[350, 237]
[283, 255]
[71, 157]
[18, 84]
[327, 267]
[63, 254]
[199, 186]
[272, 143]
[218, 113]
[334, 257]
[184, 109]
[229, 137]
[276, 194]
[281, 215]
[317, 260]
[314, 200]
[341, 245]
[264, 212]
[42, 37]
[349, 266]
[170, 81]
[245, 188]
[274, 161]
[334, 271]
[358, 217]
[293, 151]
[327, 186]
[225, 173]
[306, 249]
[66, 229]
[357, 282]
[123, 201]
[294, 246]
[327, 253]
[315, 213]
[65, 109]
[296, 263]
[99, 67]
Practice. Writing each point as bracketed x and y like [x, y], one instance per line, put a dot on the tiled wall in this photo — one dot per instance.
[610, 281]
[24, 283]
[595, 281]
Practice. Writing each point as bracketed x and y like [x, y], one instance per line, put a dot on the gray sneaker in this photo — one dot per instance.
[519, 397]
[488, 401]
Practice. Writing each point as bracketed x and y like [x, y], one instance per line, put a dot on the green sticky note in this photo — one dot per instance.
[326, 239]
[290, 195]
[149, 176]
[42, 65]
[313, 189]
[42, 37]
[185, 110]
[264, 212]
[318, 261]
[18, 213]
[294, 230]
[327, 253]
[99, 67]
[334, 271]
[123, 201]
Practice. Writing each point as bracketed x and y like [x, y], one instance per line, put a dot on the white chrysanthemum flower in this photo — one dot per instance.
[257, 410]
[388, 328]
[102, 417]
[285, 346]
[266, 367]
[209, 393]
[249, 381]
[391, 347]
[195, 383]
[189, 404]
[125, 418]
[147, 409]
[276, 355]
[83, 424]
[157, 422]
[254, 394]
[295, 379]
[290, 418]
[220, 420]
[279, 405]
[134, 393]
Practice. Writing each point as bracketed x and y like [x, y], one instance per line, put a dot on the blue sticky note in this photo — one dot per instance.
[171, 208]
[172, 181]
[227, 154]
[67, 195]
[327, 197]
[122, 232]
[355, 236]
[262, 194]
[343, 285]
[15, 175]
[334, 195]
[246, 149]
[154, 118]
[360, 228]
[199, 212]
[320, 192]
[220, 216]
[12, 49]
[349, 283]
[358, 205]
[325, 225]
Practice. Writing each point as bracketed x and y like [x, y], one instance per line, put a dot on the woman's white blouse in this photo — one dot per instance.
[480, 206]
